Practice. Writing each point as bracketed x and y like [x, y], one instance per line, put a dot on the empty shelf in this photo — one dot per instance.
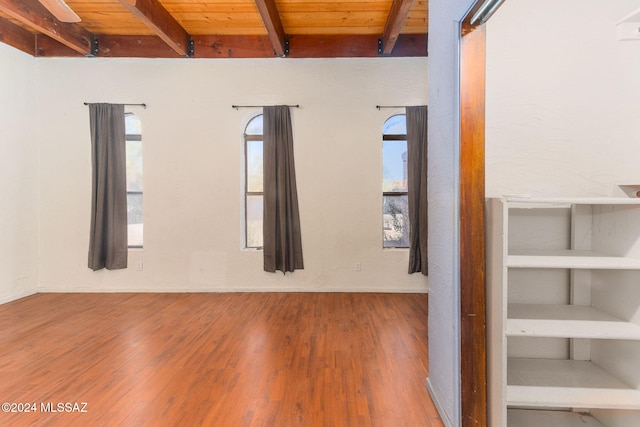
[537, 418]
[572, 200]
[566, 384]
[567, 321]
[569, 259]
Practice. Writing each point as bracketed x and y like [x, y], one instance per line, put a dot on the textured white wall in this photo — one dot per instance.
[562, 99]
[18, 175]
[193, 152]
[444, 254]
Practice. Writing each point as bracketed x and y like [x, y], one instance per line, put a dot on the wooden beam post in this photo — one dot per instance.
[473, 351]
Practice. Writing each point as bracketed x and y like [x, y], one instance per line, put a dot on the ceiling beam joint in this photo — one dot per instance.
[161, 22]
[95, 47]
[191, 50]
[398, 15]
[285, 52]
[273, 24]
[32, 14]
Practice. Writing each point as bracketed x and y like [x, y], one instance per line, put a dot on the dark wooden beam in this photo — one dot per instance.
[395, 22]
[473, 343]
[48, 47]
[353, 46]
[273, 24]
[161, 22]
[33, 15]
[229, 46]
[16, 36]
[219, 46]
[307, 46]
[135, 47]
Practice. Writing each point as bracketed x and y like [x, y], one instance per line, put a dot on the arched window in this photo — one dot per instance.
[133, 130]
[395, 210]
[253, 189]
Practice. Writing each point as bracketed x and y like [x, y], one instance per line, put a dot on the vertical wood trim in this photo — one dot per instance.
[473, 355]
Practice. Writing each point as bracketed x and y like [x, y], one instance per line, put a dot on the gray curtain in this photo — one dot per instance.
[108, 238]
[417, 186]
[281, 227]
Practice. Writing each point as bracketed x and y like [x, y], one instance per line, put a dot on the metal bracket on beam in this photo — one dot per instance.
[286, 50]
[94, 47]
[190, 48]
[380, 48]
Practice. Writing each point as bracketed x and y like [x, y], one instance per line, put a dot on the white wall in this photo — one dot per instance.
[193, 170]
[18, 175]
[563, 116]
[444, 192]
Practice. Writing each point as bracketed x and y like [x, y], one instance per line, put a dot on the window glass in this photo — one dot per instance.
[254, 221]
[394, 170]
[395, 125]
[254, 127]
[133, 130]
[395, 205]
[254, 166]
[253, 200]
[132, 124]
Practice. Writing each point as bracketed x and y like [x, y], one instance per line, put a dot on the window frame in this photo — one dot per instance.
[245, 139]
[394, 137]
[138, 138]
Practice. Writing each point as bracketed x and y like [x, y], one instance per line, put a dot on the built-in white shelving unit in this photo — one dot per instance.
[563, 284]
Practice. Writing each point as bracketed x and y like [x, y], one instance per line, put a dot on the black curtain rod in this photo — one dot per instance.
[259, 106]
[130, 105]
[390, 106]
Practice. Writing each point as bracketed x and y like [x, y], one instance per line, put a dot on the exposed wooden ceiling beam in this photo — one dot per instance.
[273, 24]
[16, 36]
[395, 21]
[354, 46]
[254, 46]
[47, 47]
[32, 14]
[163, 24]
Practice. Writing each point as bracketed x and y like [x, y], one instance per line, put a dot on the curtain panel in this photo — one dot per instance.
[108, 235]
[417, 186]
[281, 227]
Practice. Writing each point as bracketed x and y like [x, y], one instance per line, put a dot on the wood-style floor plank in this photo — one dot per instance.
[217, 359]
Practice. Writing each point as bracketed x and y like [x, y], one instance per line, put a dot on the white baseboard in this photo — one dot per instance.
[46, 289]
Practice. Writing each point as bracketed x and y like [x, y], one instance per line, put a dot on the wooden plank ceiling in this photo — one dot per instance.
[219, 28]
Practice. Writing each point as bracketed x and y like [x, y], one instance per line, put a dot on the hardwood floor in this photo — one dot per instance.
[236, 359]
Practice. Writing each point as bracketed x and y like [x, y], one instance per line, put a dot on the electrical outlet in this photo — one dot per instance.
[358, 266]
[139, 266]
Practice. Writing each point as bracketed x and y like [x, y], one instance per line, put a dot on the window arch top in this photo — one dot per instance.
[254, 127]
[395, 125]
[132, 124]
